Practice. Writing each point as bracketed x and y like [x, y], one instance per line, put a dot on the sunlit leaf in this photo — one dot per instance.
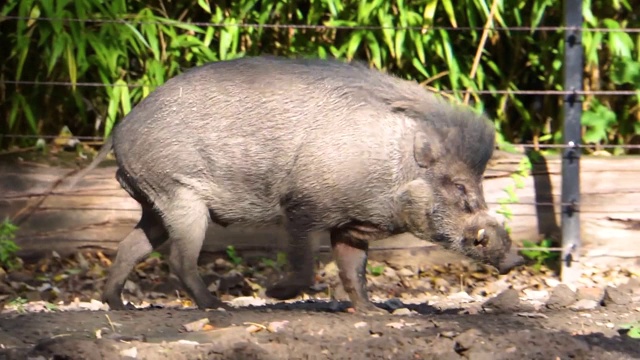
[448, 7]
[598, 120]
[626, 71]
[34, 14]
[429, 11]
[71, 64]
[204, 4]
[354, 43]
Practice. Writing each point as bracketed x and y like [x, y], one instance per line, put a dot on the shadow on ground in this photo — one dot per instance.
[310, 330]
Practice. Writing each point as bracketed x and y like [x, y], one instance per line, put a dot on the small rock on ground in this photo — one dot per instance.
[590, 293]
[508, 300]
[616, 296]
[585, 304]
[561, 296]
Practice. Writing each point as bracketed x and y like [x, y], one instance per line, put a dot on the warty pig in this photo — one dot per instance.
[312, 145]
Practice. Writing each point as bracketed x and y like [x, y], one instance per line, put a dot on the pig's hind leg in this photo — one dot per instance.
[186, 218]
[147, 235]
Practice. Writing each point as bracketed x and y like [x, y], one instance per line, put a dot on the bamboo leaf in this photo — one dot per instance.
[112, 109]
[71, 65]
[28, 113]
[34, 14]
[59, 44]
[448, 8]
[354, 43]
[388, 33]
[225, 43]
[399, 44]
[125, 97]
[204, 4]
[419, 46]
[138, 35]
[429, 11]
[418, 65]
[374, 48]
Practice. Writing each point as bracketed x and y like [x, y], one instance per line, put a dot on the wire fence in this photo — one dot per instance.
[325, 27]
[469, 91]
[580, 207]
[516, 145]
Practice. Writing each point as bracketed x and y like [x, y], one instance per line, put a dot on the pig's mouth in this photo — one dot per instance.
[503, 259]
[478, 247]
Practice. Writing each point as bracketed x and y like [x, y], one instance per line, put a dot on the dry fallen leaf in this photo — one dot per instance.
[254, 327]
[360, 324]
[274, 326]
[197, 325]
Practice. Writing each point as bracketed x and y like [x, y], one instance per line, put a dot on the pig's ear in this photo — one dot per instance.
[425, 149]
[406, 108]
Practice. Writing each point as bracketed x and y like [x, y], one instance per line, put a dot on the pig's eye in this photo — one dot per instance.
[461, 188]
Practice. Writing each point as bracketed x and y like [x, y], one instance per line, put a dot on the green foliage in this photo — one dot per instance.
[375, 270]
[631, 329]
[19, 303]
[612, 61]
[518, 177]
[8, 247]
[278, 263]
[134, 46]
[51, 307]
[233, 255]
[541, 257]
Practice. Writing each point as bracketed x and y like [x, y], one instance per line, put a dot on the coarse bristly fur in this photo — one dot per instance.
[314, 145]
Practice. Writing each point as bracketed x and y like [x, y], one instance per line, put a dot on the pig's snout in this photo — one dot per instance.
[510, 261]
[491, 243]
[484, 232]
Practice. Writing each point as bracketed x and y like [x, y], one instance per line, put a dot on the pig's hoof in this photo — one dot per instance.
[217, 305]
[284, 291]
[211, 303]
[369, 308]
[120, 306]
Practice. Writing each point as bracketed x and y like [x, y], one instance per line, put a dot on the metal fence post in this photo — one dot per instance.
[572, 111]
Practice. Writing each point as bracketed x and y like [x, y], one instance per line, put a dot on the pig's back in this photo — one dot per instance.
[265, 127]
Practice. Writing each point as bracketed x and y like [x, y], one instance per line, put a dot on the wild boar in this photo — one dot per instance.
[312, 145]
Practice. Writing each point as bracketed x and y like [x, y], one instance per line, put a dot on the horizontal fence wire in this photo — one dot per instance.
[470, 91]
[634, 208]
[516, 145]
[321, 27]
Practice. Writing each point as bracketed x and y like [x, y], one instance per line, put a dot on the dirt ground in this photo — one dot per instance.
[433, 314]
[48, 311]
[312, 330]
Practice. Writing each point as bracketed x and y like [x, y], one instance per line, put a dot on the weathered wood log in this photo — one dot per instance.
[98, 213]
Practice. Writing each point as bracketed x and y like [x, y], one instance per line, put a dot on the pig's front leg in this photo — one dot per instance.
[301, 275]
[351, 257]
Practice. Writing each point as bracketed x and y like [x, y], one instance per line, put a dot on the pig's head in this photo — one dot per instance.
[452, 153]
